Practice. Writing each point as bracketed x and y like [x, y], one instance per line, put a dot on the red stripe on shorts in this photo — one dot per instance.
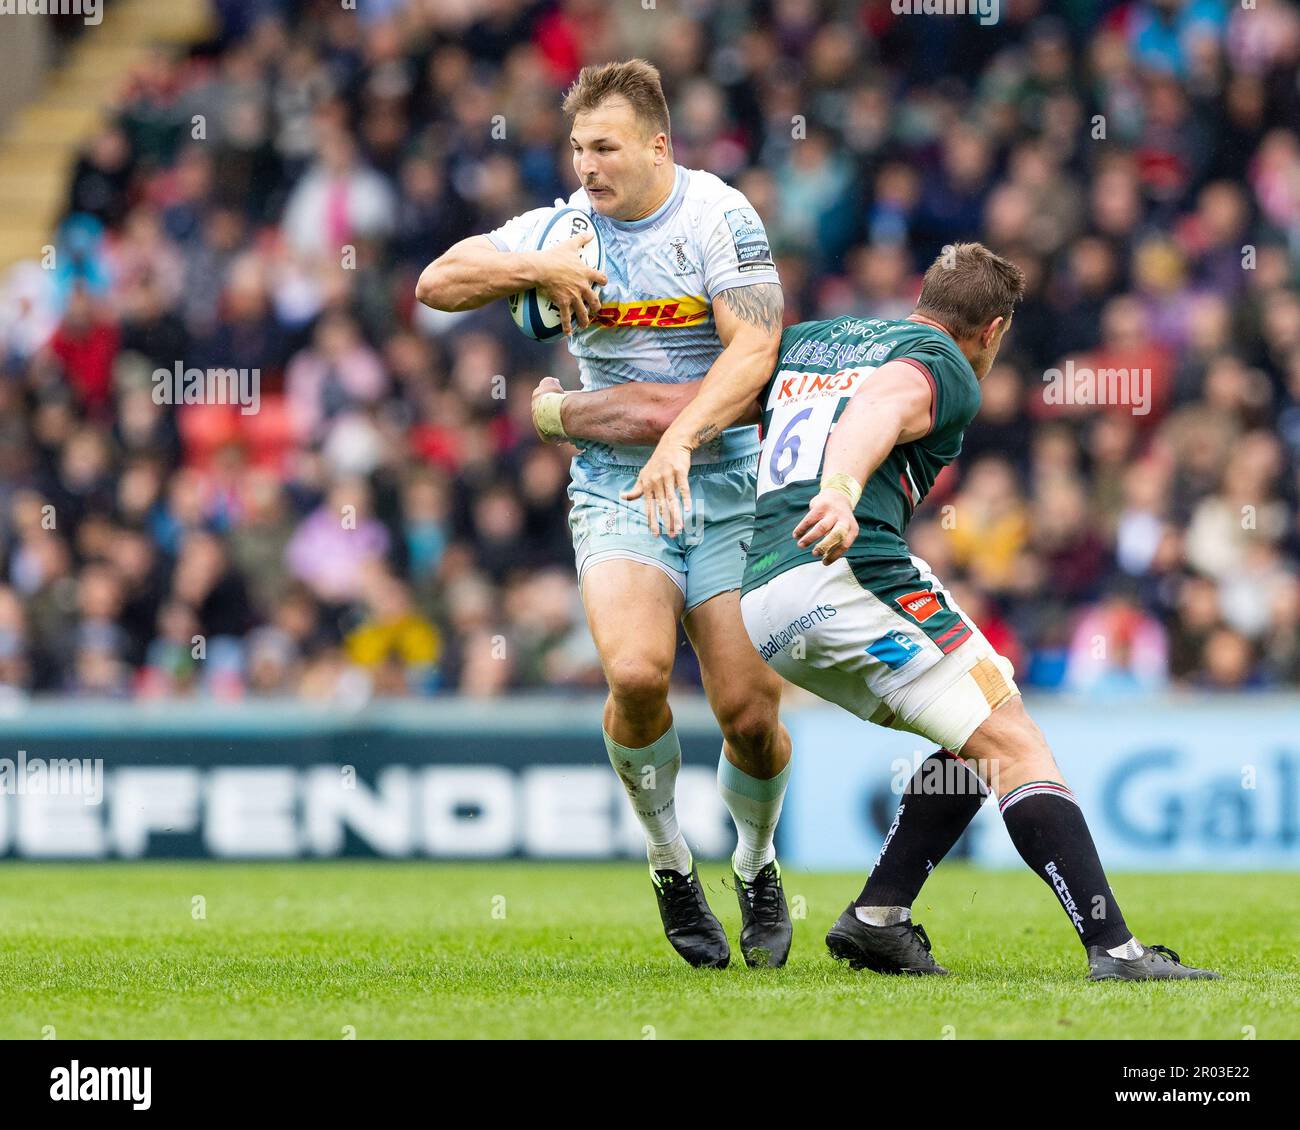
[964, 633]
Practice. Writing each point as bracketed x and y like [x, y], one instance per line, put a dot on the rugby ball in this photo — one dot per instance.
[533, 311]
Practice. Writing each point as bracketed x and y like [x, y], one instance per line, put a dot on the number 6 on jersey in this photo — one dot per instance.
[796, 454]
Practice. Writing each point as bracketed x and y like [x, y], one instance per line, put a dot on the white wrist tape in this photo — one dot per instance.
[546, 415]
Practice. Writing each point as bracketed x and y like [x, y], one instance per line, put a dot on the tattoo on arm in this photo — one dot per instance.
[706, 433]
[761, 305]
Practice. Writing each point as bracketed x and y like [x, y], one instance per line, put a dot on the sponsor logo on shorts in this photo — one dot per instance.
[894, 649]
[782, 639]
[920, 606]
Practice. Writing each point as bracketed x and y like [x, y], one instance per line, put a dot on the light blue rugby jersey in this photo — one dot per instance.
[656, 319]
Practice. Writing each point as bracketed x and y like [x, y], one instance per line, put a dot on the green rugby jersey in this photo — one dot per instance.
[821, 365]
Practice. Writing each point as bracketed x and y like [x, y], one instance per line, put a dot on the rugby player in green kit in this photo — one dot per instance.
[858, 419]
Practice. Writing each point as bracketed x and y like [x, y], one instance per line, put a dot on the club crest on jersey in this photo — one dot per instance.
[920, 606]
[681, 265]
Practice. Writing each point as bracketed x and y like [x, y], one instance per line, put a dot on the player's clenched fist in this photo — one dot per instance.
[570, 283]
[661, 481]
[548, 397]
[829, 518]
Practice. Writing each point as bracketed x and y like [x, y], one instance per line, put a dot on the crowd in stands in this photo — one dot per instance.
[386, 522]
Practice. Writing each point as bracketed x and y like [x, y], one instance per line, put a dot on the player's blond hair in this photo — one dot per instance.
[635, 80]
[968, 286]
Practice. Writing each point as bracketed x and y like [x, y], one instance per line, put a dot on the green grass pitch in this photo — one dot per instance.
[416, 949]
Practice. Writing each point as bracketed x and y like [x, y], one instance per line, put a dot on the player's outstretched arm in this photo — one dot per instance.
[748, 320]
[638, 412]
[474, 272]
[893, 406]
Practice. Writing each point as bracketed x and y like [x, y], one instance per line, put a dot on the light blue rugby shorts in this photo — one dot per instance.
[703, 560]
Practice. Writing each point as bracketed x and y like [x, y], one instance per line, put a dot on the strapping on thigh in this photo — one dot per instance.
[991, 682]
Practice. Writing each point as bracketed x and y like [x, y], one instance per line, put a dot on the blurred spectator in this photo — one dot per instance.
[989, 523]
[335, 541]
[1117, 648]
[398, 645]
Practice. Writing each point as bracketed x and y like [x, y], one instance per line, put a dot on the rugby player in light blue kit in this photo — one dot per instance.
[689, 293]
